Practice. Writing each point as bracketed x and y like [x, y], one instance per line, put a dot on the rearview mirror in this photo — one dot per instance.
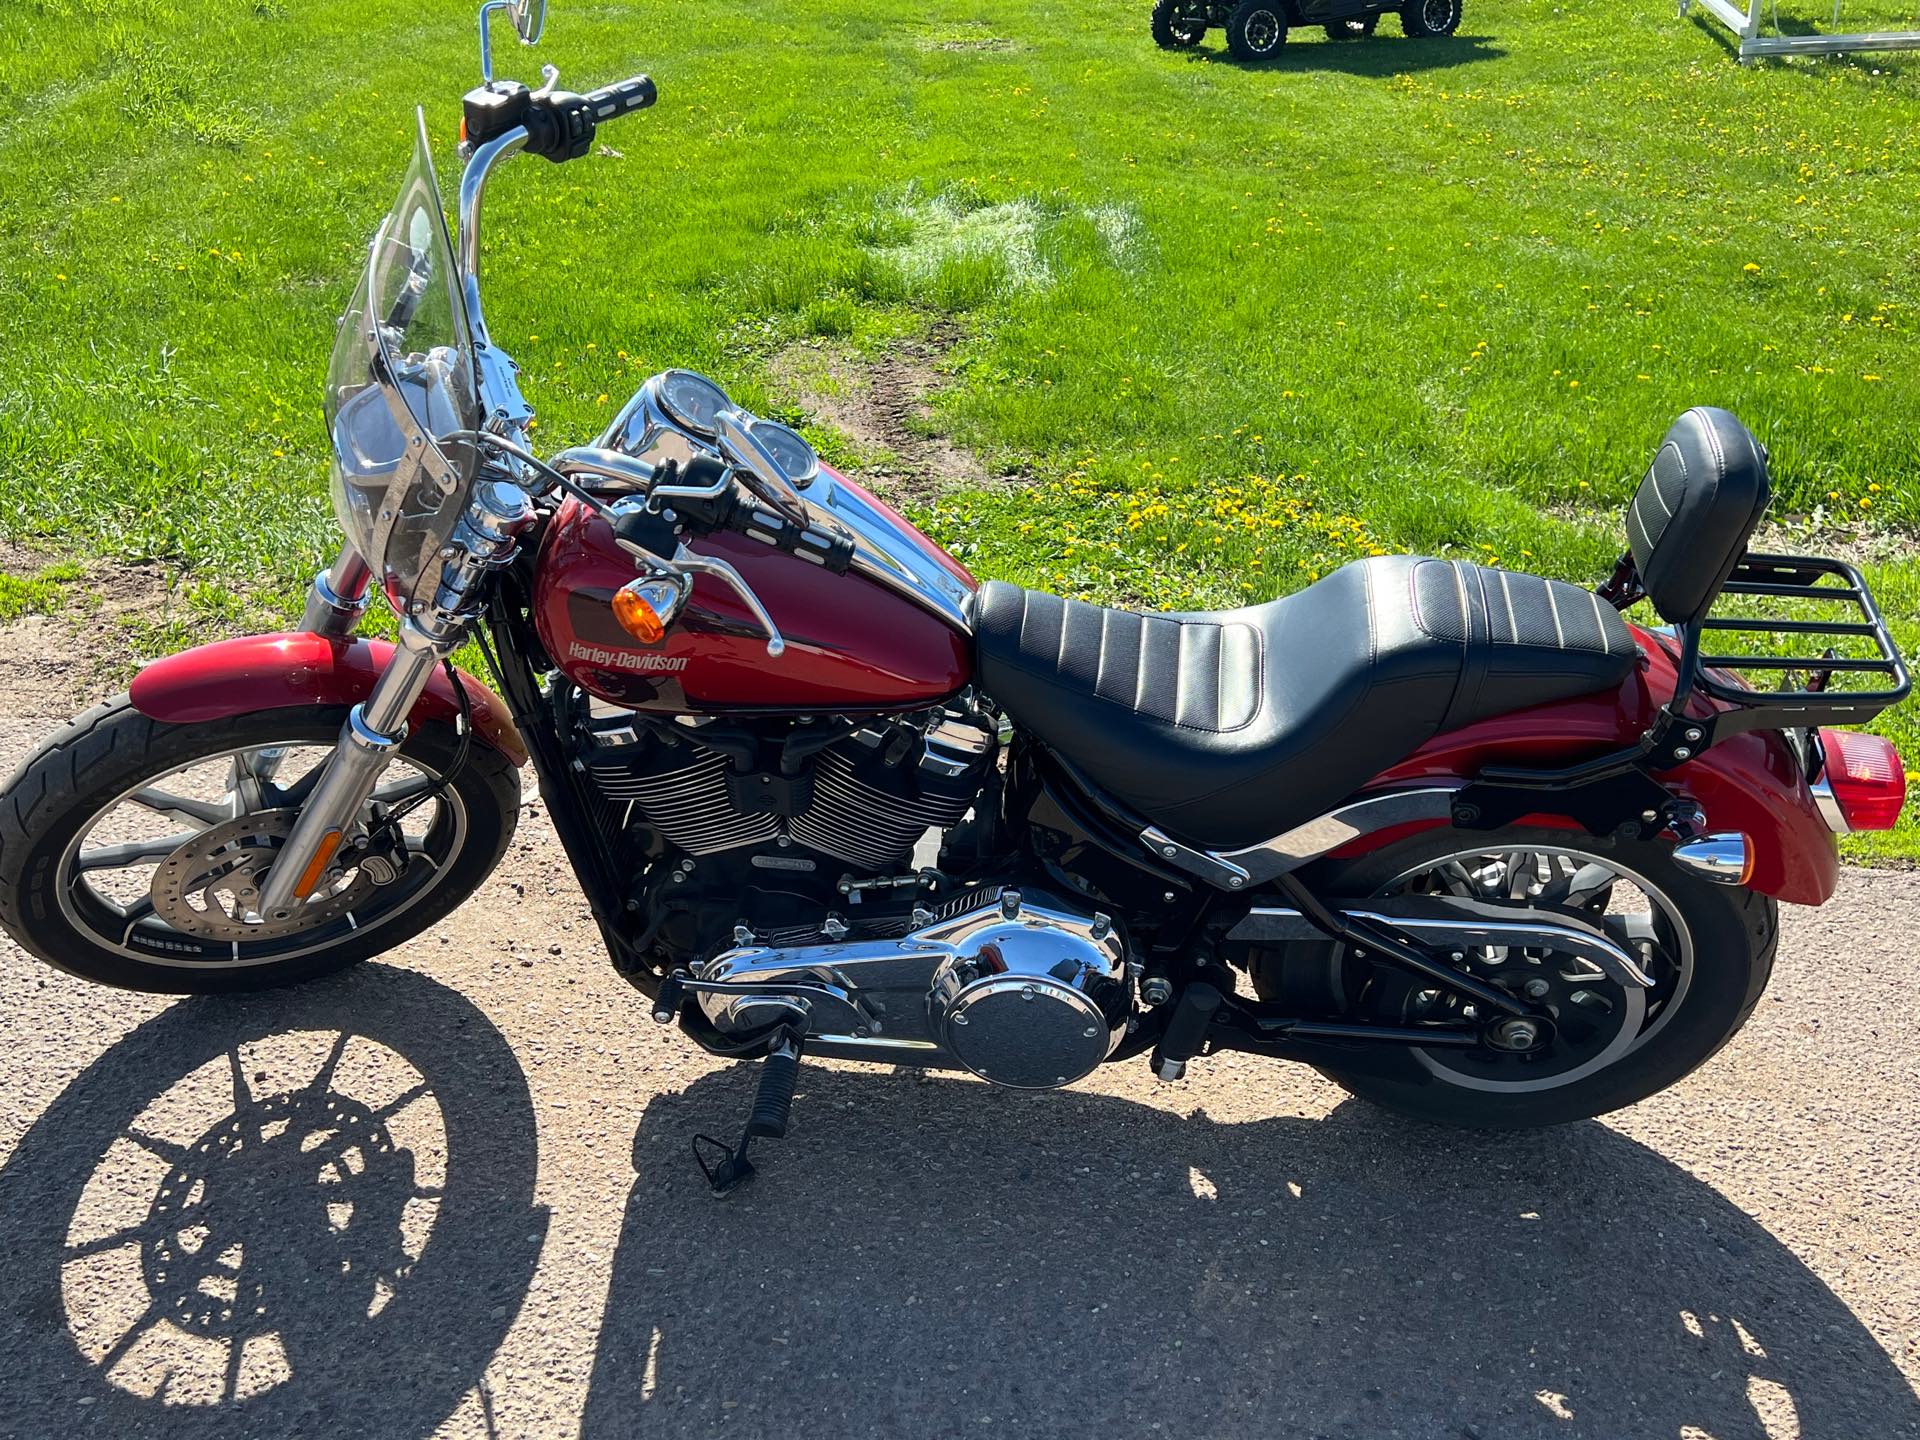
[529, 17]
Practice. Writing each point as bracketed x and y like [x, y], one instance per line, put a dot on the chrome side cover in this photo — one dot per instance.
[1289, 850]
[1021, 990]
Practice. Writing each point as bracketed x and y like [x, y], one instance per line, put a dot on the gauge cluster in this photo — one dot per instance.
[675, 415]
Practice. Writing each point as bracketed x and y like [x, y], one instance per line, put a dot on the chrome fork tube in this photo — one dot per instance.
[338, 596]
[373, 731]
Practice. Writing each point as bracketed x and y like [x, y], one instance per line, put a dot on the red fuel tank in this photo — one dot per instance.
[853, 644]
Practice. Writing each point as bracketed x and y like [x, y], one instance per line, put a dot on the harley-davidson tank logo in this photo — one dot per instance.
[627, 659]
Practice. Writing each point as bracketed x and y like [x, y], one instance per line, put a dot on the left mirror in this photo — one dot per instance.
[529, 17]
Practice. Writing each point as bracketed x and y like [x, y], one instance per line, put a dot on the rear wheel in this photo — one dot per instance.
[1256, 30]
[1708, 948]
[1173, 30]
[132, 851]
[1424, 19]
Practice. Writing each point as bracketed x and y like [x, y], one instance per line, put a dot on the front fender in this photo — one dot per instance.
[282, 672]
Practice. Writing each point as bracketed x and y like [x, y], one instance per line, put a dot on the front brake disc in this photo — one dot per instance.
[210, 886]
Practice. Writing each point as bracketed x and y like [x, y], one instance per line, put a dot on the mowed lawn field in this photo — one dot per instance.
[1212, 329]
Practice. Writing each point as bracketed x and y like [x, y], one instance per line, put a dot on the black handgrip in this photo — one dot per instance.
[610, 102]
[561, 125]
[831, 550]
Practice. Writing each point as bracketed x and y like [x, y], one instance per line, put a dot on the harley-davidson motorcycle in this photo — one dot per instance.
[1466, 840]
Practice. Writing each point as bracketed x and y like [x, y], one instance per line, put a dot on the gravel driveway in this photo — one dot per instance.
[451, 1193]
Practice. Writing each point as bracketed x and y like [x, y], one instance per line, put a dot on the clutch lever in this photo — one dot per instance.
[688, 562]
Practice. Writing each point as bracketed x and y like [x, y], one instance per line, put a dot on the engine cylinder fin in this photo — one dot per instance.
[688, 805]
[863, 825]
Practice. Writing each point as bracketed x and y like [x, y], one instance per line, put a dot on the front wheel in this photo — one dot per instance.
[131, 850]
[1174, 30]
[1256, 30]
[1425, 19]
[1708, 949]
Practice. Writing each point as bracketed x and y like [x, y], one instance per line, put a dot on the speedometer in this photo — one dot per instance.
[692, 400]
[793, 455]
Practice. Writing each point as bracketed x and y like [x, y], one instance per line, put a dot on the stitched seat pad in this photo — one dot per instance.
[1228, 728]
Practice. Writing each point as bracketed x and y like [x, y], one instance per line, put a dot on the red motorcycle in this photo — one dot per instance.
[1466, 840]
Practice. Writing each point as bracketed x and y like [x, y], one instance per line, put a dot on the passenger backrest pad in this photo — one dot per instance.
[1703, 495]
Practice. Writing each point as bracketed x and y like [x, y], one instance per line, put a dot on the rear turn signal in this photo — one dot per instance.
[1723, 859]
[1863, 784]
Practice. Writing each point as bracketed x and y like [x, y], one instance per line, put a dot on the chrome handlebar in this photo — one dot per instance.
[507, 412]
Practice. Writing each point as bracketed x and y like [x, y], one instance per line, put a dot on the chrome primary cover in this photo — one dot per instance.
[1021, 990]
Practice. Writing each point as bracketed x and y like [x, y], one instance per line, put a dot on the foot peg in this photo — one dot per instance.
[772, 1104]
[1186, 1030]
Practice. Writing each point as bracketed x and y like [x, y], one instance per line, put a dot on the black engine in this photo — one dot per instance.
[782, 823]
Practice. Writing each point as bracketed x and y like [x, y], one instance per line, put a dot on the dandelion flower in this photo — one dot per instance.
[1751, 268]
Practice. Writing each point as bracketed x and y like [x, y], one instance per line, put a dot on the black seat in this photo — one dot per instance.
[1228, 728]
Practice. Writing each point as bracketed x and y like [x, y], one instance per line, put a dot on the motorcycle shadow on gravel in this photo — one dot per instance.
[939, 1257]
[234, 1221]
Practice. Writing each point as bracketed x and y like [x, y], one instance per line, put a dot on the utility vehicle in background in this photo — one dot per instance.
[1256, 29]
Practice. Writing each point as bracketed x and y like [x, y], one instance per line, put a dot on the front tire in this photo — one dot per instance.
[1709, 947]
[1430, 19]
[99, 790]
[1174, 31]
[1256, 30]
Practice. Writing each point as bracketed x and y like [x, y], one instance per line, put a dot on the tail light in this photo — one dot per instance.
[1862, 784]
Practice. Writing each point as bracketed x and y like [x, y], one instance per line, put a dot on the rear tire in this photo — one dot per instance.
[1256, 30]
[1428, 19]
[1173, 30]
[1730, 935]
[53, 801]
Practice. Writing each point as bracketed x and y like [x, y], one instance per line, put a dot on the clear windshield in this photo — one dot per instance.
[401, 384]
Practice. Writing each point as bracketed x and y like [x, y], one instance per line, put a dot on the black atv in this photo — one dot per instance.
[1256, 29]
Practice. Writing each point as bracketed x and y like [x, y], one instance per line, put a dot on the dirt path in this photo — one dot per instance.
[512, 1240]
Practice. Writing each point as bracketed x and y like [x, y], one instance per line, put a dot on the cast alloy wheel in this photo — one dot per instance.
[1423, 19]
[1256, 30]
[132, 851]
[1594, 1021]
[1173, 30]
[1591, 1044]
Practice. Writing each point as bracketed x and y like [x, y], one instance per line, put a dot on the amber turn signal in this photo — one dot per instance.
[637, 616]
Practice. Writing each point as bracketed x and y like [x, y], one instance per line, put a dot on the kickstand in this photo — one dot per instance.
[772, 1103]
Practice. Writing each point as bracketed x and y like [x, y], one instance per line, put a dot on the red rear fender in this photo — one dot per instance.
[281, 672]
[1751, 783]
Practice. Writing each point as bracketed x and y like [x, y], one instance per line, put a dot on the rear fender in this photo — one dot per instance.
[299, 671]
[1751, 783]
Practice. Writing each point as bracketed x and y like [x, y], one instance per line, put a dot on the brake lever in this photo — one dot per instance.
[685, 560]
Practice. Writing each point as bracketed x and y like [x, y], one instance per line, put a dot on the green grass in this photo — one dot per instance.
[44, 592]
[1237, 325]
